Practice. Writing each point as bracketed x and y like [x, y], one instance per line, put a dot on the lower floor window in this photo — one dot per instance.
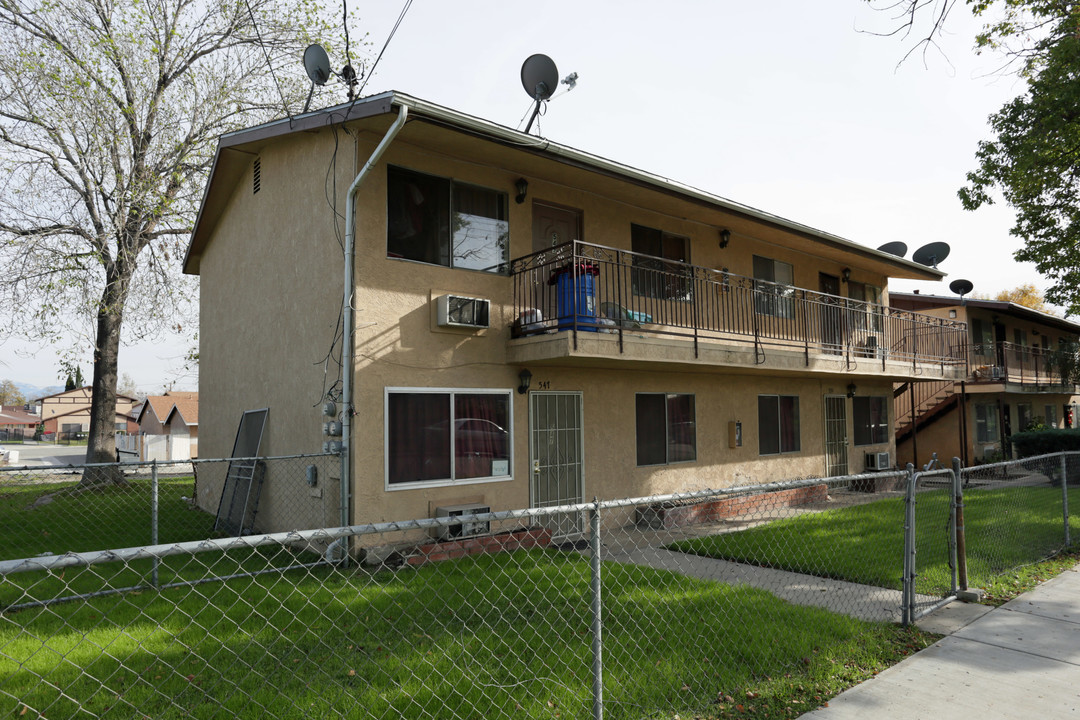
[986, 423]
[446, 435]
[666, 430]
[778, 424]
[1051, 416]
[871, 420]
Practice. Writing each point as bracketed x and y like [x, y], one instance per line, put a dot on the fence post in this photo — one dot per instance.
[960, 579]
[597, 624]
[907, 593]
[154, 515]
[1065, 497]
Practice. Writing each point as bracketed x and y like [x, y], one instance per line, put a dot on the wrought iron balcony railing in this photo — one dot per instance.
[1005, 362]
[581, 287]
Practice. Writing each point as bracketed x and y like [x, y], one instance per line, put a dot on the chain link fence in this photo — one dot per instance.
[1017, 513]
[628, 608]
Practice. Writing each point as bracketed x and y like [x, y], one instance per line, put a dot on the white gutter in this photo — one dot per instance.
[347, 321]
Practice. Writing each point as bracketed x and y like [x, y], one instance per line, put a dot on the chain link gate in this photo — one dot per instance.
[930, 539]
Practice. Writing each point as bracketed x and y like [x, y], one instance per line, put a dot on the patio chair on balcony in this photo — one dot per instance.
[627, 319]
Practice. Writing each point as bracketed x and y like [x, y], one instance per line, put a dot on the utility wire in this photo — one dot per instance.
[266, 54]
[405, 9]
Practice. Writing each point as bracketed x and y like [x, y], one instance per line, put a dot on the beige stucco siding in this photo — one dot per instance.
[270, 303]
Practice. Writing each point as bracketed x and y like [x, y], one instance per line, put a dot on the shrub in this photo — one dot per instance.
[1043, 442]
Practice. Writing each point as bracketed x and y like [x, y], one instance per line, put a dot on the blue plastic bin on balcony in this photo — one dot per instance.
[576, 295]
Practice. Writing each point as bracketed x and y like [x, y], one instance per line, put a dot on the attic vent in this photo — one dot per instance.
[256, 177]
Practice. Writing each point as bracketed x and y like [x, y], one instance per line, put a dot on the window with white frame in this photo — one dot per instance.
[666, 428]
[773, 292]
[871, 420]
[435, 220]
[778, 424]
[441, 437]
[986, 423]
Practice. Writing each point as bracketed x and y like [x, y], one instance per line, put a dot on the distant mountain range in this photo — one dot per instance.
[33, 392]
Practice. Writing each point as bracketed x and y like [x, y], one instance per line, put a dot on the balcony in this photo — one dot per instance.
[1030, 368]
[592, 302]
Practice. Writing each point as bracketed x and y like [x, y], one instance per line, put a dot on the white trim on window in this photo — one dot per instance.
[388, 391]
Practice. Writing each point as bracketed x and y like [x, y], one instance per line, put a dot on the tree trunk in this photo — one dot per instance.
[101, 445]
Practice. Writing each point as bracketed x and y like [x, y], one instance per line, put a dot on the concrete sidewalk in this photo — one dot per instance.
[1021, 660]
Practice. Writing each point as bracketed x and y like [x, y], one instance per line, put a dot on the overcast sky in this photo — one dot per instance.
[791, 107]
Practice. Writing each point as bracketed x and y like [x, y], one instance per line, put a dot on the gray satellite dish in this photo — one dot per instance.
[896, 248]
[931, 254]
[317, 65]
[961, 287]
[540, 78]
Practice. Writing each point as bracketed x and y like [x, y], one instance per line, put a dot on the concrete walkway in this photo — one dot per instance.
[1021, 660]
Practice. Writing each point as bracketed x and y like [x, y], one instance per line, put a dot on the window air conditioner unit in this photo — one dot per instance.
[462, 529]
[877, 461]
[459, 311]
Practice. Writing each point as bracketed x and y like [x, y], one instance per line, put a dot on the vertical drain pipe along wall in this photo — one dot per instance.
[348, 322]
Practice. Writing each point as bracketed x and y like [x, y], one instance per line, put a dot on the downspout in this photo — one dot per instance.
[347, 314]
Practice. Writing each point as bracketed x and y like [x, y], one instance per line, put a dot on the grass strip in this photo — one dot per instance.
[491, 636]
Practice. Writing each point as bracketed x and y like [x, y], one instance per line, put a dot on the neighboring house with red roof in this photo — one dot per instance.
[183, 422]
[16, 423]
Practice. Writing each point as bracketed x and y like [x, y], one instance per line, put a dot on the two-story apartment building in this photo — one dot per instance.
[1021, 368]
[531, 324]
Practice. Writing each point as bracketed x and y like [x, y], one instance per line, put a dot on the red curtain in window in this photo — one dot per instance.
[480, 434]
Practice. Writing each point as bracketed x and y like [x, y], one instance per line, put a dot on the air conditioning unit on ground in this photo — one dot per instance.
[878, 461]
[463, 529]
[460, 311]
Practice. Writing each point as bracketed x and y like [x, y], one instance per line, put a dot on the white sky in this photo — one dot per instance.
[783, 105]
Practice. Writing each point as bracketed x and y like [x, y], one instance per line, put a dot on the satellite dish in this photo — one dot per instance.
[897, 248]
[961, 287]
[540, 78]
[317, 64]
[931, 254]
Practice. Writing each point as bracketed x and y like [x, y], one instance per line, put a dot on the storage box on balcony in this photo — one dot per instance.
[576, 295]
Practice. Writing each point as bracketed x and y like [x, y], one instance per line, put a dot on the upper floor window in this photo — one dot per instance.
[439, 221]
[652, 276]
[773, 294]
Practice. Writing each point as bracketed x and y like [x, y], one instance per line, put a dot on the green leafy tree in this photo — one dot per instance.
[1033, 159]
[109, 111]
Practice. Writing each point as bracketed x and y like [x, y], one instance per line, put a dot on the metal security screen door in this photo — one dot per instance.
[836, 439]
[556, 454]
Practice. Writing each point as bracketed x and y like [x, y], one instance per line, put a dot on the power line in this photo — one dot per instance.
[405, 9]
[266, 54]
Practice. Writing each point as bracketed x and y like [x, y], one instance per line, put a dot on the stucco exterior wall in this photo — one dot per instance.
[271, 298]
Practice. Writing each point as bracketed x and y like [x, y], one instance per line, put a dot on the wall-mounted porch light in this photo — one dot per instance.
[845, 274]
[851, 390]
[522, 187]
[725, 238]
[526, 378]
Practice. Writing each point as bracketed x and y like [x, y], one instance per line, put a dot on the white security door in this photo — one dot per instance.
[836, 437]
[556, 454]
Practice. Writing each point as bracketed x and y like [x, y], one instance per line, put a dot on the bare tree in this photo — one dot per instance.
[108, 114]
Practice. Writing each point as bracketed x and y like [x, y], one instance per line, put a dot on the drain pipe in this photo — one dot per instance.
[347, 315]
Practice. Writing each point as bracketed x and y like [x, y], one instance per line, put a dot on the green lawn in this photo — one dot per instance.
[491, 636]
[1005, 528]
